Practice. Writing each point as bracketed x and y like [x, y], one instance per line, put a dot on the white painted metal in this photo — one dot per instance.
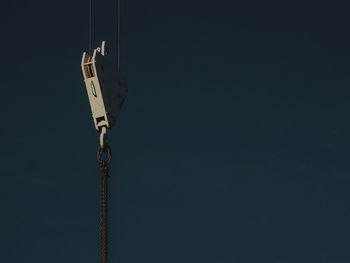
[103, 137]
[106, 88]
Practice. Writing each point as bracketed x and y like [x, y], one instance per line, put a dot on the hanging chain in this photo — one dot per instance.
[104, 213]
[104, 173]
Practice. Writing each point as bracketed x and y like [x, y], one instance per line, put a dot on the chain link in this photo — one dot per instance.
[107, 151]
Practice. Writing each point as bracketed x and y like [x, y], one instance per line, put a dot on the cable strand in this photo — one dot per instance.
[118, 35]
[90, 27]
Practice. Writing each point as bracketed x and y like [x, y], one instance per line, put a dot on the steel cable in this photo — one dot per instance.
[90, 27]
[119, 35]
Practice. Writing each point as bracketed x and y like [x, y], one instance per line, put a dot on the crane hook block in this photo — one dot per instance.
[105, 86]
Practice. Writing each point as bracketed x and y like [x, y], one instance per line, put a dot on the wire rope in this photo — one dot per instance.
[90, 27]
[118, 35]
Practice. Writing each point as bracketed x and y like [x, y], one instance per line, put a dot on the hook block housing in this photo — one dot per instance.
[105, 86]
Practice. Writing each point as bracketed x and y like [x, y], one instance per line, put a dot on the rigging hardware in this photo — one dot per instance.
[107, 89]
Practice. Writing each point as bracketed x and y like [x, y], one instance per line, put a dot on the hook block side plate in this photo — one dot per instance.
[106, 88]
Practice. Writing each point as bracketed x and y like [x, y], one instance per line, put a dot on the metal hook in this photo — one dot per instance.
[103, 137]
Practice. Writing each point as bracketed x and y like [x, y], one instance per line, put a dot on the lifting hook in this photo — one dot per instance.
[103, 137]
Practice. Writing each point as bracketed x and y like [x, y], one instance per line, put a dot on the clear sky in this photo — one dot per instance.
[233, 144]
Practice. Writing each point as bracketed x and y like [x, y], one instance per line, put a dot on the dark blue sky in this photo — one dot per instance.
[233, 144]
